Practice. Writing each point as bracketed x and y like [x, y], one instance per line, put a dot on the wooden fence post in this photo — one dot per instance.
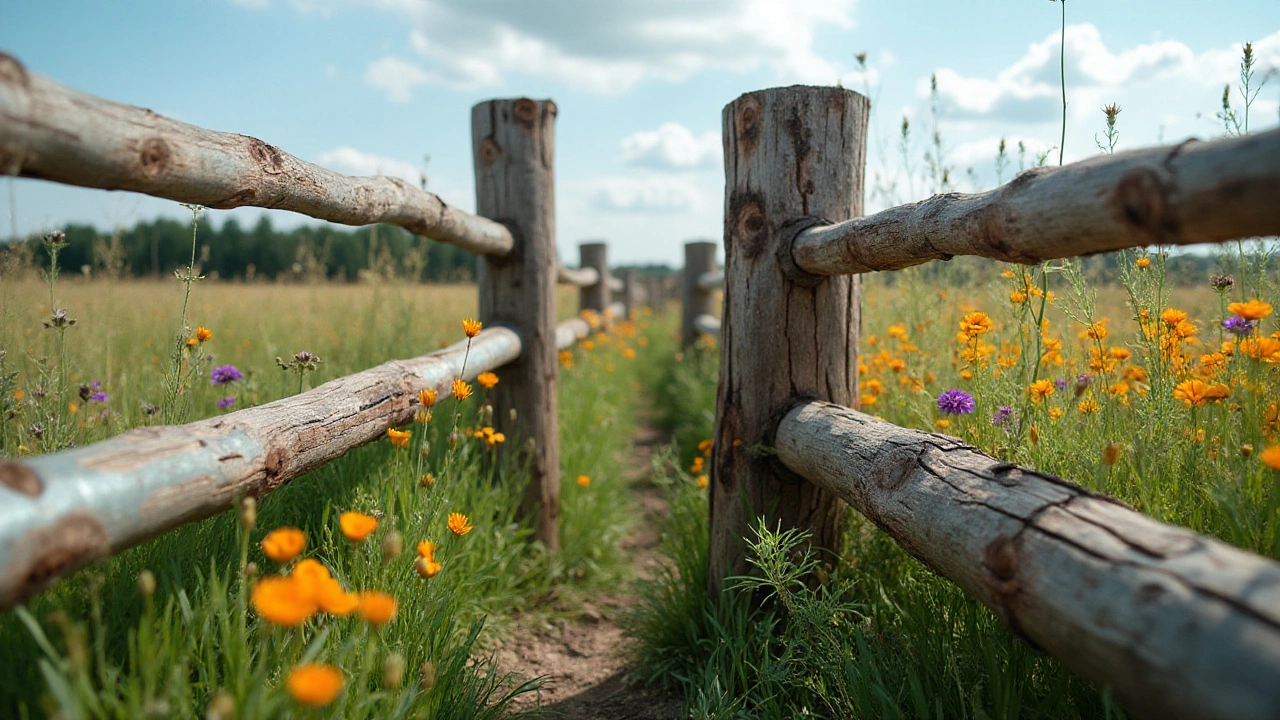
[630, 290]
[594, 255]
[514, 146]
[699, 258]
[793, 157]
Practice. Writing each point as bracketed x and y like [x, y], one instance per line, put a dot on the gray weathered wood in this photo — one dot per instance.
[1193, 192]
[581, 277]
[699, 259]
[1179, 625]
[52, 132]
[514, 144]
[615, 284]
[711, 280]
[595, 255]
[58, 512]
[790, 154]
[631, 290]
[707, 324]
[569, 332]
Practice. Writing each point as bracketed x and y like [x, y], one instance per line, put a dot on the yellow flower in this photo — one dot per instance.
[584, 480]
[427, 397]
[1265, 349]
[422, 417]
[1055, 413]
[1172, 317]
[1271, 457]
[203, 334]
[282, 601]
[1008, 274]
[1087, 407]
[489, 436]
[284, 544]
[1252, 310]
[897, 330]
[315, 685]
[1040, 390]
[487, 379]
[1143, 262]
[471, 327]
[377, 608]
[566, 358]
[192, 342]
[975, 324]
[1017, 297]
[18, 395]
[461, 390]
[588, 345]
[702, 481]
[357, 526]
[697, 465]
[459, 524]
[1096, 331]
[1120, 353]
[399, 438]
[942, 424]
[426, 564]
[1196, 392]
[705, 446]
[966, 374]
[629, 354]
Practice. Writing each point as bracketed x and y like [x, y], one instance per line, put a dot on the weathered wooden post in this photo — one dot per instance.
[699, 258]
[514, 146]
[793, 159]
[594, 255]
[630, 290]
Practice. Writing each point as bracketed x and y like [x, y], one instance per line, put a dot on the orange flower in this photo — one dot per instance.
[1196, 392]
[629, 354]
[1265, 349]
[425, 563]
[461, 390]
[975, 324]
[1143, 262]
[203, 334]
[1087, 407]
[282, 601]
[377, 608]
[1040, 390]
[471, 327]
[1252, 310]
[459, 524]
[427, 397]
[487, 379]
[315, 685]
[313, 580]
[1017, 297]
[284, 544]
[584, 480]
[705, 446]
[703, 481]
[1271, 457]
[357, 526]
[1172, 317]
[192, 342]
[399, 438]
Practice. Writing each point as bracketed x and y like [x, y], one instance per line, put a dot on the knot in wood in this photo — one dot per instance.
[1001, 558]
[750, 225]
[268, 157]
[894, 468]
[746, 123]
[153, 156]
[489, 151]
[525, 112]
[1141, 200]
[20, 478]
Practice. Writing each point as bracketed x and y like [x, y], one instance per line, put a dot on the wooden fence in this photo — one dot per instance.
[1179, 625]
[61, 511]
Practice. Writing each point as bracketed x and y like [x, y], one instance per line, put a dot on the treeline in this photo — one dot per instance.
[261, 252]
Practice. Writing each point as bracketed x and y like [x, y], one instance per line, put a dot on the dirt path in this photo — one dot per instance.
[583, 660]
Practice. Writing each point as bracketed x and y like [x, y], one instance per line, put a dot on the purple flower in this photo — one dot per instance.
[1239, 326]
[99, 397]
[225, 374]
[227, 402]
[1082, 383]
[956, 402]
[1002, 415]
[96, 384]
[1060, 383]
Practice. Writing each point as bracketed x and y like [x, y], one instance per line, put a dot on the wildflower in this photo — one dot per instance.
[1002, 415]
[471, 327]
[566, 358]
[426, 567]
[99, 397]
[1017, 297]
[1265, 349]
[146, 583]
[1110, 454]
[975, 324]
[966, 374]
[1040, 390]
[487, 380]
[702, 481]
[1056, 412]
[282, 601]
[1239, 326]
[1120, 353]
[225, 375]
[315, 685]
[956, 402]
[461, 390]
[1087, 407]
[227, 402]
[1271, 457]
[357, 526]
[584, 480]
[422, 417]
[393, 671]
[284, 544]
[1252, 310]
[1096, 331]
[1060, 384]
[427, 397]
[377, 608]
[489, 436]
[203, 334]
[58, 319]
[459, 524]
[1008, 274]
[392, 545]
[697, 465]
[399, 438]
[1143, 262]
[1197, 392]
[1082, 383]
[1246, 450]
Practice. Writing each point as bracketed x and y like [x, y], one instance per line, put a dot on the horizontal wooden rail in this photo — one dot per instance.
[1194, 192]
[711, 280]
[52, 132]
[1179, 625]
[582, 277]
[707, 324]
[59, 512]
[616, 311]
[615, 284]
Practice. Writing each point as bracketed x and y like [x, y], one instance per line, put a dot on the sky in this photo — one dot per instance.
[386, 86]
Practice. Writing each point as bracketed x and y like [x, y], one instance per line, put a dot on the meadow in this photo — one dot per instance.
[377, 586]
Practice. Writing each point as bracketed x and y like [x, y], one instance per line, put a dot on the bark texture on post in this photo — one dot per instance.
[514, 145]
[791, 155]
[1179, 625]
[630, 291]
[594, 256]
[699, 259]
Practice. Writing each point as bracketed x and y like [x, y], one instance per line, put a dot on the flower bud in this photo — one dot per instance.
[455, 438]
[147, 583]
[248, 512]
[1110, 454]
[512, 414]
[250, 572]
[1246, 450]
[392, 545]
[393, 671]
[222, 706]
[486, 414]
[428, 675]
[427, 480]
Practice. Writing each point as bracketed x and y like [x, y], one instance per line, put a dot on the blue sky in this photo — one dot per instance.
[366, 86]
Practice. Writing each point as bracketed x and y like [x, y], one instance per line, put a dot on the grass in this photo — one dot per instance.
[99, 646]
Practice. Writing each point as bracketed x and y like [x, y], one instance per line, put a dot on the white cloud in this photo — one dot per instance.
[1028, 89]
[353, 162]
[671, 147]
[648, 195]
[602, 47]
